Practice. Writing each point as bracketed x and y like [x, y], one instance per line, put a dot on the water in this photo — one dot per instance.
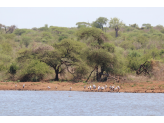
[74, 103]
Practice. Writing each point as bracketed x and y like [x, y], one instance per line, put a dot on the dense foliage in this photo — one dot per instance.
[74, 53]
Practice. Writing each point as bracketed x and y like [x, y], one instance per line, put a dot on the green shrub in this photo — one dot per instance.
[34, 71]
[19, 31]
[26, 40]
[13, 68]
[9, 36]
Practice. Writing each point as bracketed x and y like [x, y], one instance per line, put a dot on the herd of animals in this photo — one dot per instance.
[112, 88]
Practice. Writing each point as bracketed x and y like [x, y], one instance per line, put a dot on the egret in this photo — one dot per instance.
[70, 88]
[98, 88]
[49, 87]
[84, 87]
[23, 85]
[90, 87]
[105, 87]
[56, 87]
[118, 88]
[15, 85]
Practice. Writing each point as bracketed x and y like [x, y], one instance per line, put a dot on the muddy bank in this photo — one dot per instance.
[129, 87]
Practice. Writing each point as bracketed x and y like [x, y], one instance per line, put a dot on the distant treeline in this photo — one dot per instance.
[86, 52]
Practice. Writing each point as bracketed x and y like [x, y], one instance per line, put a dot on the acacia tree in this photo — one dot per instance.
[116, 24]
[98, 53]
[100, 22]
[67, 53]
[82, 24]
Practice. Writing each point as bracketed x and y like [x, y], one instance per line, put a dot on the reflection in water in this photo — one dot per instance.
[74, 103]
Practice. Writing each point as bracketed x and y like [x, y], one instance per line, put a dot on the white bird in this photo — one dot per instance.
[84, 87]
[70, 88]
[56, 87]
[105, 87]
[115, 88]
[102, 88]
[90, 87]
[110, 87]
[94, 86]
[118, 88]
[23, 85]
[15, 85]
[49, 87]
[98, 88]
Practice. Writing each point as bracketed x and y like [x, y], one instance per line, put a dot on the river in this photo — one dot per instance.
[75, 103]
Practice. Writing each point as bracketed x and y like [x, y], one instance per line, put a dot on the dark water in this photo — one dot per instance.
[74, 103]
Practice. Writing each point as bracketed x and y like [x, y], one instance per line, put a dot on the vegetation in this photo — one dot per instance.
[83, 53]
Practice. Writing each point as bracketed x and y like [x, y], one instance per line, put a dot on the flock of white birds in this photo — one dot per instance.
[112, 88]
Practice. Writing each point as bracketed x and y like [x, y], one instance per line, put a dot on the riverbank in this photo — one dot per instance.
[130, 87]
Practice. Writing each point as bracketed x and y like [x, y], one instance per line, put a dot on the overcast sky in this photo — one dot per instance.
[29, 17]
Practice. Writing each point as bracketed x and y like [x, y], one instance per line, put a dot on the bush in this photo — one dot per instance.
[26, 40]
[9, 36]
[13, 68]
[162, 31]
[34, 71]
[19, 31]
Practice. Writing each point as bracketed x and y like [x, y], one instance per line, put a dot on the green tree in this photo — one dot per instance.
[19, 31]
[67, 53]
[147, 26]
[82, 24]
[100, 22]
[116, 24]
[26, 40]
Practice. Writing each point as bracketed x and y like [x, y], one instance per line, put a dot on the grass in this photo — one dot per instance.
[141, 85]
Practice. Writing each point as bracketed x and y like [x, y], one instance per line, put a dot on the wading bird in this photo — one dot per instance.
[102, 88]
[105, 87]
[94, 86]
[15, 85]
[49, 87]
[56, 87]
[84, 87]
[90, 87]
[118, 88]
[98, 87]
[23, 85]
[70, 88]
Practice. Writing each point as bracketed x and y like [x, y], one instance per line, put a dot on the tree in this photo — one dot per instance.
[98, 53]
[100, 22]
[97, 34]
[19, 31]
[147, 26]
[116, 24]
[134, 25]
[67, 53]
[82, 24]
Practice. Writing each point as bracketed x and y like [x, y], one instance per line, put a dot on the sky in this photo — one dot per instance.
[29, 17]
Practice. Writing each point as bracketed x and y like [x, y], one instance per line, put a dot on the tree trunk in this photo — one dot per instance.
[57, 75]
[97, 74]
[116, 29]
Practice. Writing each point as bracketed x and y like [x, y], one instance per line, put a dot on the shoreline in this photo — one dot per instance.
[126, 87]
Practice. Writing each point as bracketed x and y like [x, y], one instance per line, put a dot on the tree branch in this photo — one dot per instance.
[90, 74]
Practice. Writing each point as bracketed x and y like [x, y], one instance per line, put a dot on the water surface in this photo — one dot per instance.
[74, 103]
